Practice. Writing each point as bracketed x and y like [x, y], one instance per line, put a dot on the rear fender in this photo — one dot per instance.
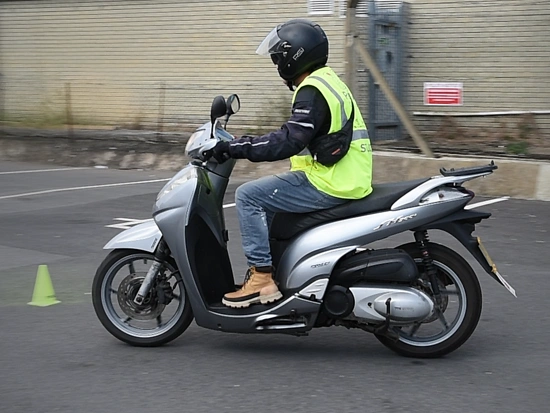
[460, 225]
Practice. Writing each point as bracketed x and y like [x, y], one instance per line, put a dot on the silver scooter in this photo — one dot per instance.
[420, 299]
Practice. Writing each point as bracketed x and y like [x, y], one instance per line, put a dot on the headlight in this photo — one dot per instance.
[179, 179]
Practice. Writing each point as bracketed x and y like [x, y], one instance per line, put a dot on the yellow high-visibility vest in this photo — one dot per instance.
[351, 176]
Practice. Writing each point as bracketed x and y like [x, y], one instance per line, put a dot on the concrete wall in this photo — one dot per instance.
[522, 179]
[134, 62]
[118, 55]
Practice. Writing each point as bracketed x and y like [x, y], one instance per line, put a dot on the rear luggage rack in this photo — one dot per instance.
[469, 170]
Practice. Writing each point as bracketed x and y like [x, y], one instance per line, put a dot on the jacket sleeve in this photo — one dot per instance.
[310, 117]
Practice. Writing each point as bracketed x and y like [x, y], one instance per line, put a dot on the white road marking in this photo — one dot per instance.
[483, 203]
[130, 222]
[78, 188]
[41, 170]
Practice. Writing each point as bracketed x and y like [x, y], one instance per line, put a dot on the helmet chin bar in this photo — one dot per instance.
[290, 83]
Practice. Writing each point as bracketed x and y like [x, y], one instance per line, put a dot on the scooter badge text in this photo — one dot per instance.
[397, 220]
[320, 265]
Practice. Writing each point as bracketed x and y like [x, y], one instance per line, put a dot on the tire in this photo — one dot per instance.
[117, 322]
[452, 269]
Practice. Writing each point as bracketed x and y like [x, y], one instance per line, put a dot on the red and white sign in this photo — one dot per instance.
[446, 94]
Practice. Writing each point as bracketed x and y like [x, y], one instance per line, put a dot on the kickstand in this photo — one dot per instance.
[384, 329]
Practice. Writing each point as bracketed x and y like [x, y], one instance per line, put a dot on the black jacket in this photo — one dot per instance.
[310, 118]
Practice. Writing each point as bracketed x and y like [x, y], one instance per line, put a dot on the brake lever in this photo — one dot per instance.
[207, 150]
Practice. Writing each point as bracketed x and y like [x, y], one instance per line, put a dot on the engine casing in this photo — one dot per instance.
[375, 266]
[406, 304]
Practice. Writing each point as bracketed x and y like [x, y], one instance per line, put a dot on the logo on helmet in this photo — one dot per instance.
[298, 53]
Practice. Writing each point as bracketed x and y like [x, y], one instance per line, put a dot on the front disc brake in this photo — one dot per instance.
[150, 309]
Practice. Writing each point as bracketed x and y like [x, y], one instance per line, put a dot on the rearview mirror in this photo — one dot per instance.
[233, 104]
[218, 109]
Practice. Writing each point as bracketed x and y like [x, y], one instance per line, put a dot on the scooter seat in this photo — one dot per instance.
[287, 225]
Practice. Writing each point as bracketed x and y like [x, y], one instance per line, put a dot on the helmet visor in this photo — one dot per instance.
[270, 44]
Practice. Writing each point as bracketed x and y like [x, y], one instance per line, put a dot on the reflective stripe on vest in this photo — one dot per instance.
[357, 134]
[343, 115]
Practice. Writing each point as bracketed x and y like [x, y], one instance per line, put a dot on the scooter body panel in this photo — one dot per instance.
[190, 218]
[315, 252]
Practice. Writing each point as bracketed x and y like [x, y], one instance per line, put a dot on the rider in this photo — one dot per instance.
[327, 142]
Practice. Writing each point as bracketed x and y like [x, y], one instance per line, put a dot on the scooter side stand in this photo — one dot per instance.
[383, 329]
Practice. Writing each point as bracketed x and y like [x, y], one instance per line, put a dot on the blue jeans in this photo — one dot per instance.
[258, 201]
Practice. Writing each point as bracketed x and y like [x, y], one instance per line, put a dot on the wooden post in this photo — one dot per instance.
[68, 109]
[2, 98]
[160, 120]
[349, 56]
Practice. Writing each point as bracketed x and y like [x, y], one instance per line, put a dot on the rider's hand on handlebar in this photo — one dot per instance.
[220, 152]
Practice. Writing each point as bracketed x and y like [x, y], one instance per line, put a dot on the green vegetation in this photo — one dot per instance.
[517, 148]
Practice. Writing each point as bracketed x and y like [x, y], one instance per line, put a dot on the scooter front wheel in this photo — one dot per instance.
[164, 314]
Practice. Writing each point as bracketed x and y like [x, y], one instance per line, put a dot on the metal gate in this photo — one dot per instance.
[387, 25]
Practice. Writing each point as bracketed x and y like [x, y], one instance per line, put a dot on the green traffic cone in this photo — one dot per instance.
[44, 294]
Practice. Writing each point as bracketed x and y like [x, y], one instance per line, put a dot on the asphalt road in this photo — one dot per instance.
[60, 359]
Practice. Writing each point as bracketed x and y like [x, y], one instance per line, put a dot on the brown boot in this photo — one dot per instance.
[258, 287]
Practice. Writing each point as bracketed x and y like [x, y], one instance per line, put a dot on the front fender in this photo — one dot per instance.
[144, 237]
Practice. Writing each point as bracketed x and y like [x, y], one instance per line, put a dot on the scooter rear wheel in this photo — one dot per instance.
[460, 310]
[163, 316]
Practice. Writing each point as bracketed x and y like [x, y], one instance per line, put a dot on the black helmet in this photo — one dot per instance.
[296, 47]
